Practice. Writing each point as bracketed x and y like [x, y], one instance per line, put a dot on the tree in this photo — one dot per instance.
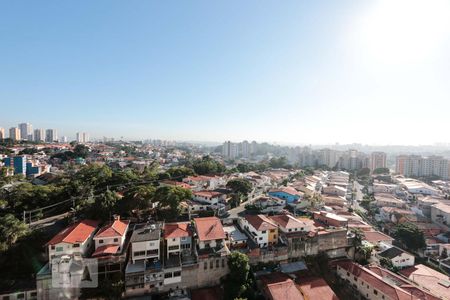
[178, 173]
[237, 283]
[358, 236]
[11, 229]
[363, 172]
[240, 185]
[280, 162]
[81, 150]
[410, 235]
[137, 197]
[169, 198]
[381, 171]
[207, 165]
[387, 263]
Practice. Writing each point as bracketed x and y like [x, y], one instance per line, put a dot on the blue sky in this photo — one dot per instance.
[293, 71]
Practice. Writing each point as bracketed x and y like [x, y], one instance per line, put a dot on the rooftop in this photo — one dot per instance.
[209, 228]
[146, 232]
[260, 222]
[113, 229]
[177, 230]
[76, 233]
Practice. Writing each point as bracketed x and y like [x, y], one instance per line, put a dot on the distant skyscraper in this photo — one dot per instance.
[14, 133]
[2, 133]
[418, 166]
[51, 135]
[39, 135]
[82, 137]
[26, 129]
[377, 160]
[63, 139]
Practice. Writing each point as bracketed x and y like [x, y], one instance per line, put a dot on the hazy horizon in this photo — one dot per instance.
[374, 73]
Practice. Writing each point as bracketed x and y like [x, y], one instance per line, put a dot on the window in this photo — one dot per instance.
[139, 253]
[348, 273]
[76, 245]
[260, 238]
[52, 247]
[151, 244]
[217, 263]
[153, 252]
[375, 292]
[116, 240]
[275, 236]
[183, 238]
[176, 247]
[211, 264]
[356, 279]
[302, 228]
[205, 265]
[168, 275]
[223, 262]
[264, 231]
[290, 230]
[173, 240]
[58, 249]
[100, 241]
[176, 274]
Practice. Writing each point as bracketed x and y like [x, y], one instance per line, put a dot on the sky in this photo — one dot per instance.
[299, 72]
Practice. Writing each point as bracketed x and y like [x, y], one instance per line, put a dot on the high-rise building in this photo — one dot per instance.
[14, 133]
[327, 157]
[39, 135]
[418, 166]
[245, 149]
[18, 163]
[377, 160]
[51, 135]
[230, 150]
[25, 130]
[63, 139]
[82, 137]
[2, 133]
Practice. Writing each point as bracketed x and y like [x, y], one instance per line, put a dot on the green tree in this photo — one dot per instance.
[207, 165]
[238, 282]
[240, 185]
[410, 235]
[137, 197]
[169, 198]
[358, 236]
[81, 151]
[381, 171]
[178, 173]
[11, 229]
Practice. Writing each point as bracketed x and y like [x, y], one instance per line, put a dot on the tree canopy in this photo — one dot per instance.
[238, 283]
[207, 165]
[410, 235]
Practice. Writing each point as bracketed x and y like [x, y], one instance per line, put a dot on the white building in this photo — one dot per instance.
[26, 129]
[39, 135]
[14, 133]
[261, 229]
[82, 137]
[400, 259]
[2, 133]
[74, 240]
[377, 160]
[209, 197]
[145, 242]
[110, 239]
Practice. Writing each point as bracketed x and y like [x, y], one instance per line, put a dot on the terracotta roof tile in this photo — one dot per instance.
[76, 233]
[176, 230]
[260, 222]
[113, 229]
[209, 228]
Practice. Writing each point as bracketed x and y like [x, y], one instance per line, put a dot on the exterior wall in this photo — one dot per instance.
[260, 237]
[109, 241]
[210, 200]
[282, 195]
[173, 245]
[273, 236]
[22, 295]
[212, 243]
[365, 289]
[145, 246]
[402, 261]
[439, 216]
[68, 249]
[207, 272]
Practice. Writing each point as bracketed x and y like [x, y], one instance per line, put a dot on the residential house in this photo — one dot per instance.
[73, 240]
[430, 279]
[110, 239]
[400, 259]
[286, 193]
[289, 224]
[330, 219]
[261, 229]
[178, 238]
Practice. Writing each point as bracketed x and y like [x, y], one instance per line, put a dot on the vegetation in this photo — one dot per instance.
[280, 162]
[410, 235]
[381, 171]
[207, 165]
[238, 282]
[11, 229]
[169, 198]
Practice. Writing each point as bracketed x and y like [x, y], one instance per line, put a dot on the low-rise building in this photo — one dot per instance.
[330, 219]
[262, 230]
[110, 239]
[400, 259]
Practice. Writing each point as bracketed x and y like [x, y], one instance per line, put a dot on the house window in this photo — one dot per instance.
[205, 265]
[217, 263]
[260, 238]
[177, 274]
[116, 240]
[76, 245]
[348, 274]
[264, 231]
[52, 247]
[275, 236]
[153, 252]
[176, 247]
[211, 264]
[183, 238]
[100, 241]
[58, 249]
[168, 275]
[223, 262]
[173, 240]
[290, 230]
[375, 292]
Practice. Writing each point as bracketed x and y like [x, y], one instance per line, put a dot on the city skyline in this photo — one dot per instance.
[310, 73]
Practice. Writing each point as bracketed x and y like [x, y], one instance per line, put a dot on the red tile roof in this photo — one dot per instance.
[105, 250]
[210, 194]
[209, 228]
[113, 229]
[260, 222]
[176, 230]
[375, 281]
[316, 288]
[376, 237]
[287, 221]
[429, 279]
[278, 286]
[76, 233]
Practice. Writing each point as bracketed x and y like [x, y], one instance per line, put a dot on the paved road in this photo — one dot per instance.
[48, 221]
[357, 188]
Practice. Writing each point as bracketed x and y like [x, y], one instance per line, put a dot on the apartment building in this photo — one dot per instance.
[418, 166]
